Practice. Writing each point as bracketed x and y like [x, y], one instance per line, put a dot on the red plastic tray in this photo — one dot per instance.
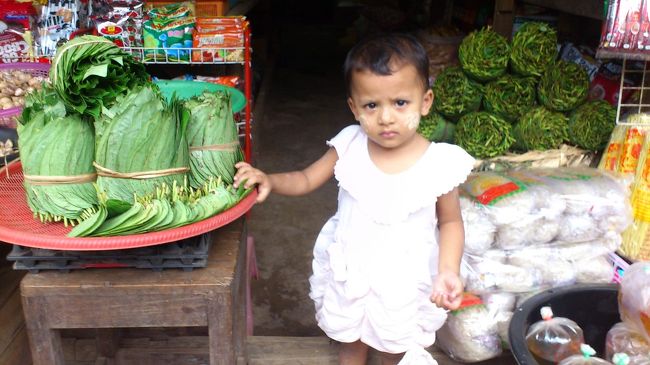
[18, 226]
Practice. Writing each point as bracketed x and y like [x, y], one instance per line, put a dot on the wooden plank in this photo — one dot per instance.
[45, 343]
[587, 8]
[11, 320]
[128, 311]
[504, 12]
[17, 353]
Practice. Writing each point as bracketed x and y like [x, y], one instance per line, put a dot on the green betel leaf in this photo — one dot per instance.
[213, 138]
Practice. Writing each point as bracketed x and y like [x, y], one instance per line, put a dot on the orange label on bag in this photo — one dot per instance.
[631, 150]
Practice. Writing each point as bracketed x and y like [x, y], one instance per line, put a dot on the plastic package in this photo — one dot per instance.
[490, 276]
[554, 339]
[503, 324]
[470, 333]
[479, 231]
[634, 299]
[621, 338]
[585, 358]
[499, 302]
[594, 270]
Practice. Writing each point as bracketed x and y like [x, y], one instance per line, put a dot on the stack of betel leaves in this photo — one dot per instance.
[515, 97]
[103, 150]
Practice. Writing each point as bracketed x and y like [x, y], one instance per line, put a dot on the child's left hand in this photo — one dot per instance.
[447, 290]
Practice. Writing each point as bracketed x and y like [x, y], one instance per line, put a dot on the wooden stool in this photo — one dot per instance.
[121, 298]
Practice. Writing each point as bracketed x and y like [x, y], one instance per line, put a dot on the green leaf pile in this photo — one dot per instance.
[563, 86]
[213, 139]
[484, 54]
[141, 133]
[483, 134]
[90, 72]
[534, 48]
[540, 129]
[55, 144]
[455, 94]
[510, 96]
[591, 124]
[435, 128]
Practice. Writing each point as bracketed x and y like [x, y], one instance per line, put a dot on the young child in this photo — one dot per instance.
[386, 265]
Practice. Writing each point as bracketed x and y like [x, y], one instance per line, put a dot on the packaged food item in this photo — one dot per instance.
[620, 338]
[219, 39]
[585, 358]
[57, 22]
[634, 299]
[470, 334]
[554, 338]
[14, 47]
[167, 35]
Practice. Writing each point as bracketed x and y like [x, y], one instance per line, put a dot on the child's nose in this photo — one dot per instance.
[386, 116]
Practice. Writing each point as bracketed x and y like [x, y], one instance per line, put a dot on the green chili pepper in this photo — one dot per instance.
[534, 47]
[510, 96]
[540, 129]
[455, 94]
[563, 86]
[483, 134]
[484, 54]
[591, 124]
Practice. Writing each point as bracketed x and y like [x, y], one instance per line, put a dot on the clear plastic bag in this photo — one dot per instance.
[634, 299]
[479, 231]
[470, 333]
[554, 338]
[621, 339]
[585, 358]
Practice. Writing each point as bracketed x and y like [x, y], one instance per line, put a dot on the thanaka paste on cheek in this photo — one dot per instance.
[363, 120]
[412, 120]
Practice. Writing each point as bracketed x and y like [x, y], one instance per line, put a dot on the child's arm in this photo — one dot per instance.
[288, 183]
[448, 287]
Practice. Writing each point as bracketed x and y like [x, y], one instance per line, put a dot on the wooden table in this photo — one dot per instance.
[108, 299]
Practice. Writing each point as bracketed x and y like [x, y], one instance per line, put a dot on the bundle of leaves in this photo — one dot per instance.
[540, 129]
[435, 128]
[510, 96]
[484, 54]
[455, 94]
[534, 48]
[484, 134]
[213, 138]
[57, 151]
[563, 86]
[90, 72]
[141, 143]
[591, 124]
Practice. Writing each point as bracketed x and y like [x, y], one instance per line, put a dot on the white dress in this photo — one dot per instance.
[375, 258]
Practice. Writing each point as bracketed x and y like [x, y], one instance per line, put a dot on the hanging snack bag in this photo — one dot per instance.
[219, 39]
[168, 33]
[634, 299]
[554, 339]
[585, 358]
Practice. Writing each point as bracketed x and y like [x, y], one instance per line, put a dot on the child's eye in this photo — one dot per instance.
[370, 106]
[401, 102]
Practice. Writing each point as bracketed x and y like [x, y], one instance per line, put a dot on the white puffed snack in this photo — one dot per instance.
[594, 270]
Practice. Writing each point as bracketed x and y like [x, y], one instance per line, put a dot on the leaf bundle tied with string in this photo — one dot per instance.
[510, 97]
[57, 152]
[141, 143]
[540, 129]
[484, 54]
[591, 124]
[90, 72]
[483, 134]
[455, 94]
[563, 86]
[213, 138]
[534, 48]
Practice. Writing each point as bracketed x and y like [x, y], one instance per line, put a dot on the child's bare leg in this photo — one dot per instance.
[390, 359]
[353, 353]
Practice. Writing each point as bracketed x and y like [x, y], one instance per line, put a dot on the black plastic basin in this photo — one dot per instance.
[593, 307]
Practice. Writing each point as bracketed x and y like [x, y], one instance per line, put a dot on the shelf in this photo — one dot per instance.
[220, 56]
[587, 8]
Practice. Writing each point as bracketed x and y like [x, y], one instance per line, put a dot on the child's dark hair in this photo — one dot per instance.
[378, 53]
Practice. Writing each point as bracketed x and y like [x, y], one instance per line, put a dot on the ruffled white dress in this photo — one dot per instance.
[375, 258]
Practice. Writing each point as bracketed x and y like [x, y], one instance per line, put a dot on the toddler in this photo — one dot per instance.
[386, 265]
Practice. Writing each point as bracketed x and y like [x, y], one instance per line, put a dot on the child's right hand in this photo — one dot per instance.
[251, 176]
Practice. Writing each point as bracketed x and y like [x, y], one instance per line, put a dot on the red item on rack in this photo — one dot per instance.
[13, 47]
[17, 15]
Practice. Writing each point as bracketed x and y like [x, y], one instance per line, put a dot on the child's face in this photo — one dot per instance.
[389, 107]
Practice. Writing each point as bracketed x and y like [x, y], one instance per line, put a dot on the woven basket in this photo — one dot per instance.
[8, 116]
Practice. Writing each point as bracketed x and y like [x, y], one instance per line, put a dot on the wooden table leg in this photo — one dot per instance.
[45, 342]
[220, 329]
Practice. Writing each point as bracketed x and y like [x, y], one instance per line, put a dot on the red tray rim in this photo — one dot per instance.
[56, 242]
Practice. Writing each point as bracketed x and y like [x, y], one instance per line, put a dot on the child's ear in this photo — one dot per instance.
[427, 101]
[352, 108]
